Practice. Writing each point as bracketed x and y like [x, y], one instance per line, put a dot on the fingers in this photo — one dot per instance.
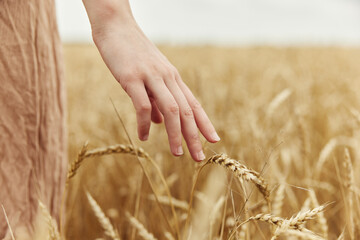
[170, 110]
[143, 108]
[156, 115]
[188, 125]
[201, 118]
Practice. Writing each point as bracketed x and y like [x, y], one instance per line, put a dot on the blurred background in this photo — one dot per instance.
[279, 80]
[231, 22]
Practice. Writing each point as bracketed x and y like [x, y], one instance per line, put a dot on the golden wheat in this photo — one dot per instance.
[242, 171]
[143, 232]
[104, 221]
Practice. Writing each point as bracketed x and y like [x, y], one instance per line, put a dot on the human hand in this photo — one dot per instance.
[153, 84]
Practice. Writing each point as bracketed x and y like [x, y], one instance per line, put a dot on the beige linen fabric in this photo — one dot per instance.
[32, 133]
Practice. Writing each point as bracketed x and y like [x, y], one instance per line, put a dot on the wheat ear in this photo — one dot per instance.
[104, 221]
[321, 219]
[242, 171]
[119, 148]
[52, 227]
[143, 232]
[278, 200]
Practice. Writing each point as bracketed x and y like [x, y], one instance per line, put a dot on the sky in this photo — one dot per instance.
[230, 22]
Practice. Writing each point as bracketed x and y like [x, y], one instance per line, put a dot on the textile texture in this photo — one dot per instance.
[32, 122]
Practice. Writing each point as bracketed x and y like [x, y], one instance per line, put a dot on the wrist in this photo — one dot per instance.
[107, 14]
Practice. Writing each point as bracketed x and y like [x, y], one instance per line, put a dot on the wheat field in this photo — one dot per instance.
[285, 168]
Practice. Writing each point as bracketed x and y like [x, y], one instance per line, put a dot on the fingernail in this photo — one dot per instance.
[215, 136]
[179, 151]
[144, 138]
[200, 156]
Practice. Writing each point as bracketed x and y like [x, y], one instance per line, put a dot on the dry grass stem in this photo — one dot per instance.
[8, 223]
[350, 183]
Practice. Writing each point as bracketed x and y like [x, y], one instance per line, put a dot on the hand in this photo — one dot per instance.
[154, 86]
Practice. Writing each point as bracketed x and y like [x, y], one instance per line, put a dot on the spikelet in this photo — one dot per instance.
[300, 218]
[143, 232]
[104, 221]
[242, 171]
[269, 218]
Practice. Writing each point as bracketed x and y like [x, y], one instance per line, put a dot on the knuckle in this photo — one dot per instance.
[196, 105]
[188, 113]
[194, 138]
[173, 109]
[168, 72]
[144, 108]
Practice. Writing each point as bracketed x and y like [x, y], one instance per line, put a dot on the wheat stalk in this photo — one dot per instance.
[143, 232]
[242, 171]
[104, 221]
[349, 181]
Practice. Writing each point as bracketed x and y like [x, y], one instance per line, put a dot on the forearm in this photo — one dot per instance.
[104, 13]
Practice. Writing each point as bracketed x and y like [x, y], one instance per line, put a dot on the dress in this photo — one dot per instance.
[33, 155]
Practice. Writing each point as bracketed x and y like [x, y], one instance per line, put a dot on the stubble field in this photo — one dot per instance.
[289, 124]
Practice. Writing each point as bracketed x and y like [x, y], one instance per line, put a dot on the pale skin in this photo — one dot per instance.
[151, 81]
